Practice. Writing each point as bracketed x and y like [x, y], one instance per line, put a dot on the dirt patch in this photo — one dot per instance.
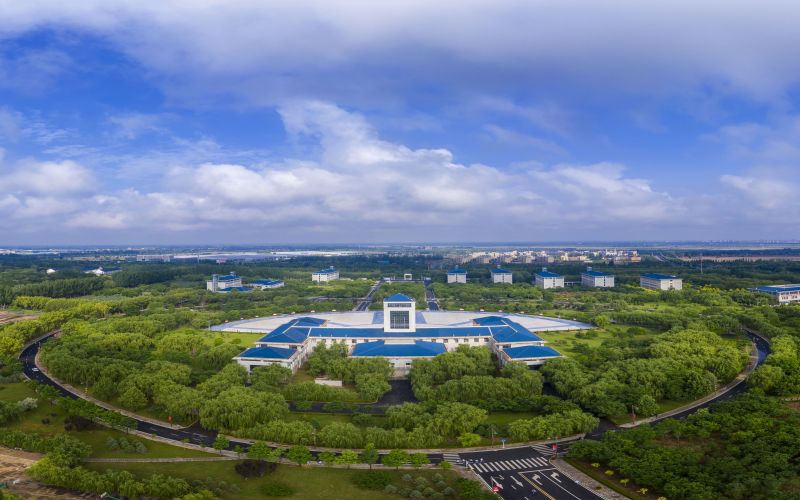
[10, 317]
[12, 472]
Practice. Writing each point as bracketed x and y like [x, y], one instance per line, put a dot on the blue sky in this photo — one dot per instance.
[313, 122]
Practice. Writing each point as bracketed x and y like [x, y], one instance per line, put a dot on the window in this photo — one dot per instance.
[399, 320]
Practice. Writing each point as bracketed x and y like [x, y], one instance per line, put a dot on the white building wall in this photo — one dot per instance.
[502, 278]
[324, 277]
[661, 284]
[546, 283]
[597, 281]
[457, 278]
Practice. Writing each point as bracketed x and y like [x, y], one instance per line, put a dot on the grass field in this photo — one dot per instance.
[48, 419]
[309, 483]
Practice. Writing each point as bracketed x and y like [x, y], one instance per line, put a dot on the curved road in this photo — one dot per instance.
[519, 473]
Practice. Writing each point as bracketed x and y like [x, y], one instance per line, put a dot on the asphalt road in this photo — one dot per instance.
[525, 474]
[430, 298]
[364, 304]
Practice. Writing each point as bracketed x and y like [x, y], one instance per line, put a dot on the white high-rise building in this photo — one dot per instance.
[655, 281]
[457, 275]
[596, 279]
[500, 275]
[546, 279]
[325, 275]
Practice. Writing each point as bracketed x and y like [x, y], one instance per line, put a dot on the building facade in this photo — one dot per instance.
[400, 333]
[655, 281]
[784, 294]
[457, 275]
[502, 276]
[546, 279]
[225, 282]
[596, 279]
[325, 275]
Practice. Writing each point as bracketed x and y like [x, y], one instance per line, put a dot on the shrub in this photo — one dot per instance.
[372, 480]
[390, 489]
[78, 423]
[254, 468]
[276, 489]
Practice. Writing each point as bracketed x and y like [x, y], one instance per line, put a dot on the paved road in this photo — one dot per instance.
[430, 298]
[364, 304]
[525, 474]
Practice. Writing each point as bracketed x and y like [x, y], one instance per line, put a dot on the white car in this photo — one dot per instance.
[36, 369]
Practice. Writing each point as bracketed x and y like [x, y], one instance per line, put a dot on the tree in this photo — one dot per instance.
[133, 399]
[395, 458]
[369, 455]
[347, 457]
[327, 457]
[259, 451]
[67, 451]
[221, 442]
[270, 377]
[468, 439]
[240, 408]
[299, 455]
[419, 459]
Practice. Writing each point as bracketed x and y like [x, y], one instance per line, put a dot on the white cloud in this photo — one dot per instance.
[267, 52]
[360, 187]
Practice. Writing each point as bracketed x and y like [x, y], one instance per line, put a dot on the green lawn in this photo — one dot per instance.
[48, 419]
[309, 483]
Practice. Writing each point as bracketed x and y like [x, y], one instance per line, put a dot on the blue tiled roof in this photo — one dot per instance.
[298, 330]
[657, 276]
[242, 289]
[399, 297]
[419, 348]
[595, 273]
[457, 270]
[500, 271]
[778, 288]
[506, 331]
[267, 282]
[531, 351]
[548, 274]
[329, 270]
[228, 277]
[268, 352]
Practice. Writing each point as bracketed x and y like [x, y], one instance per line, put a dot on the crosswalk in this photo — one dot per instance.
[544, 449]
[453, 458]
[506, 465]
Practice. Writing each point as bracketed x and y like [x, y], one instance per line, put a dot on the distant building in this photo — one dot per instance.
[655, 281]
[457, 275]
[782, 293]
[100, 271]
[546, 279]
[500, 275]
[266, 284]
[596, 279]
[224, 283]
[51, 271]
[325, 275]
[408, 277]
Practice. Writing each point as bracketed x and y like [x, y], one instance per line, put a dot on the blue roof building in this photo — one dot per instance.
[325, 275]
[784, 294]
[596, 279]
[547, 279]
[457, 275]
[656, 281]
[500, 275]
